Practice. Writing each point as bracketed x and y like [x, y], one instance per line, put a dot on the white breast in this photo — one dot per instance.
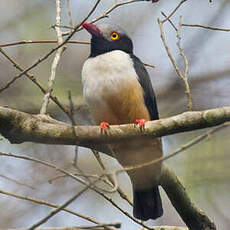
[106, 73]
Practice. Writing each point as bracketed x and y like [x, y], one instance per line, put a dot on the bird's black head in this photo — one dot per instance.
[106, 38]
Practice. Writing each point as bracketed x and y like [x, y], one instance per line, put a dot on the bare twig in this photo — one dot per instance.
[43, 202]
[167, 48]
[96, 227]
[174, 11]
[77, 228]
[116, 225]
[55, 61]
[170, 21]
[45, 163]
[85, 175]
[17, 181]
[61, 207]
[184, 76]
[111, 180]
[71, 109]
[25, 42]
[206, 27]
[149, 65]
[69, 15]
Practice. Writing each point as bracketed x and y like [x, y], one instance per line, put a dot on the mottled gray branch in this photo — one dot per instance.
[77, 228]
[193, 217]
[19, 127]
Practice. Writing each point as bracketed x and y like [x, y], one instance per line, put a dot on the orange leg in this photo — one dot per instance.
[141, 123]
[104, 126]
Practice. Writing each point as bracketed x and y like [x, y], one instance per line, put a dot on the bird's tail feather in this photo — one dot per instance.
[147, 204]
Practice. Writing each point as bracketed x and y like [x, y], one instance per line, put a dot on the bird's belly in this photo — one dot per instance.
[139, 152]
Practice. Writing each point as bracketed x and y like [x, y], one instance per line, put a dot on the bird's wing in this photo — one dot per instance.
[144, 80]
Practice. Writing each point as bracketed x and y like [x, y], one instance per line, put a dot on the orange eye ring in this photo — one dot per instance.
[114, 36]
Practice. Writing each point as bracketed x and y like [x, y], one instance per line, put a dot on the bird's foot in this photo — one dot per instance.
[141, 123]
[104, 126]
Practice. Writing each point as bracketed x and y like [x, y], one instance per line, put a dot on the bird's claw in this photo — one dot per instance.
[141, 123]
[104, 126]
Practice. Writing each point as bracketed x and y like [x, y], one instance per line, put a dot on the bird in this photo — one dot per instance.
[118, 90]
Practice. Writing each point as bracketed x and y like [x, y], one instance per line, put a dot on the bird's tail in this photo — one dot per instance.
[147, 204]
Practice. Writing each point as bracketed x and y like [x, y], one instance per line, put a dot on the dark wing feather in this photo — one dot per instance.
[144, 80]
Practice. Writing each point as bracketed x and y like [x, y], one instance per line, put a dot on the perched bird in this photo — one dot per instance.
[118, 90]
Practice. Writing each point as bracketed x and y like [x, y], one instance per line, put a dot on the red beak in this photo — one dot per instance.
[92, 29]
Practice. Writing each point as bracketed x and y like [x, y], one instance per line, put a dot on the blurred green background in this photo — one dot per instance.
[203, 169]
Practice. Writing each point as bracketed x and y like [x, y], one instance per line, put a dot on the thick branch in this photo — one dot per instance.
[193, 217]
[79, 228]
[19, 127]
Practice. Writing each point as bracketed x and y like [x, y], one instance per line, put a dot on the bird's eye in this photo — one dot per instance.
[114, 36]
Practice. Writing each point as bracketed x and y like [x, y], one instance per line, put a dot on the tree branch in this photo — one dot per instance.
[19, 127]
[193, 217]
[95, 227]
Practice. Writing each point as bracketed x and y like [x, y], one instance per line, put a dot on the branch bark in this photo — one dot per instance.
[19, 127]
[193, 217]
[78, 228]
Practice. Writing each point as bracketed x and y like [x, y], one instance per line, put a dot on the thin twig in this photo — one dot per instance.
[63, 26]
[85, 175]
[167, 48]
[170, 21]
[48, 164]
[174, 11]
[206, 27]
[71, 109]
[43, 202]
[69, 15]
[55, 61]
[185, 75]
[27, 42]
[149, 65]
[116, 225]
[77, 228]
[61, 207]
[122, 194]
[17, 181]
